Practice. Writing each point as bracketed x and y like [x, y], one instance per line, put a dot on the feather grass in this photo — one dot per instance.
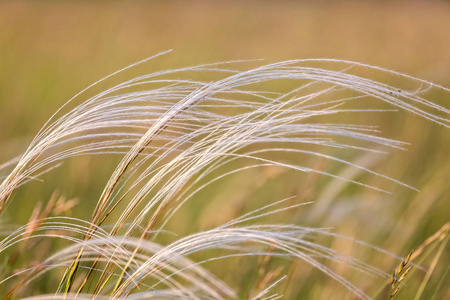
[176, 136]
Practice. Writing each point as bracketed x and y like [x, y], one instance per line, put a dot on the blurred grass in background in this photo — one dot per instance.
[49, 51]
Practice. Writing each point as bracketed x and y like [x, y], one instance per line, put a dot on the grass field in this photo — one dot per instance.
[51, 51]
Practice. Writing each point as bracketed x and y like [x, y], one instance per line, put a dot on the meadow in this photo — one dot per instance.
[357, 227]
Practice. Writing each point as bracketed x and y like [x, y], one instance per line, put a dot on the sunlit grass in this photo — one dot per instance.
[177, 136]
[45, 63]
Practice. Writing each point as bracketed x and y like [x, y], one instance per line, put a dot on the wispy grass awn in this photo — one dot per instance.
[176, 136]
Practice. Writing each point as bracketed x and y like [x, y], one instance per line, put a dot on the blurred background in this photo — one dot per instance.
[49, 51]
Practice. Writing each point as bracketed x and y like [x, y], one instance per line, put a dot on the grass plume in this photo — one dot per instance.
[177, 135]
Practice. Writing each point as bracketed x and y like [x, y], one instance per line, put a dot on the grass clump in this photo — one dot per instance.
[177, 136]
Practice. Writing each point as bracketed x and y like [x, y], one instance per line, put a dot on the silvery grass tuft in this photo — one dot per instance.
[175, 137]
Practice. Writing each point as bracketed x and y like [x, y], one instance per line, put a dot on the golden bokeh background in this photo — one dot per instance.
[49, 51]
